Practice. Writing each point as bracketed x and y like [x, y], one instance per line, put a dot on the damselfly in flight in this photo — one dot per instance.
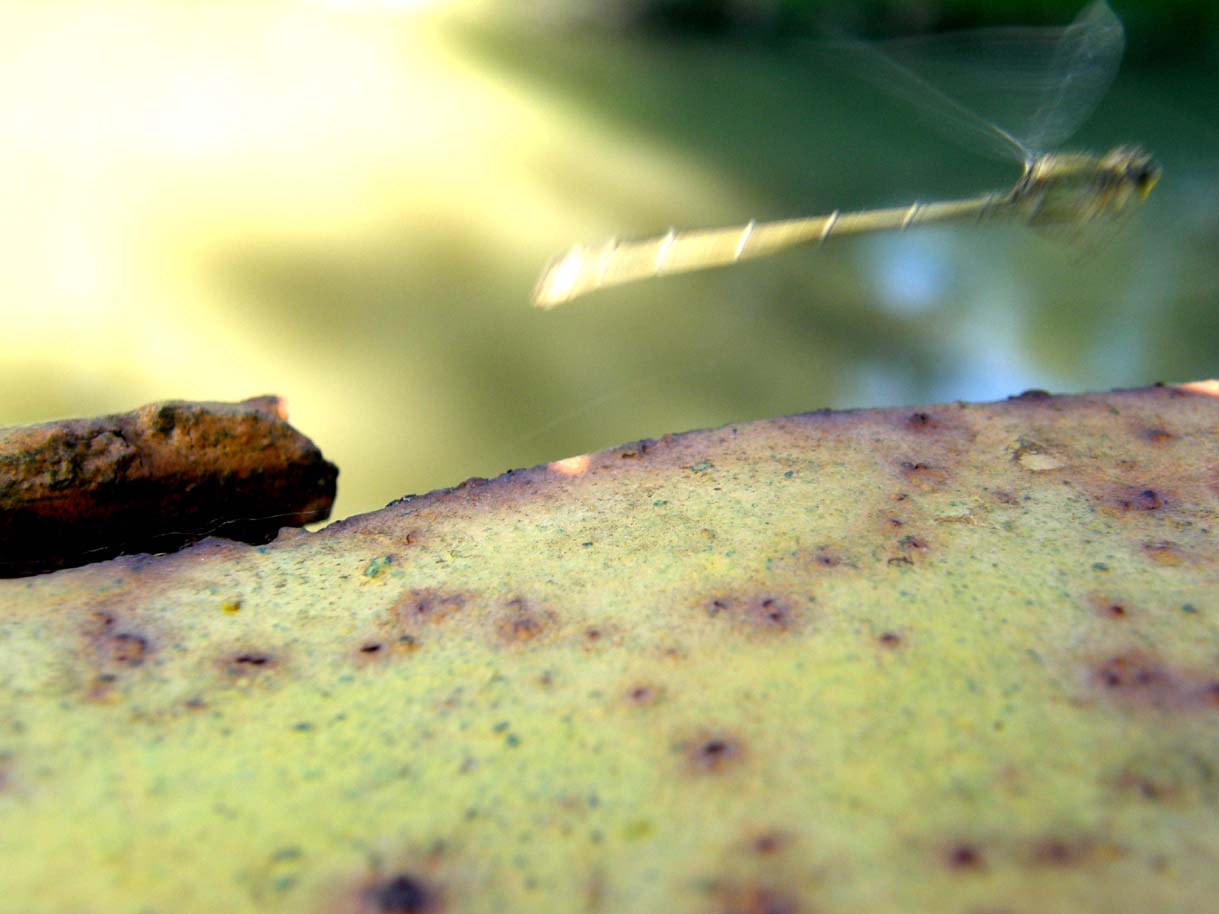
[1055, 188]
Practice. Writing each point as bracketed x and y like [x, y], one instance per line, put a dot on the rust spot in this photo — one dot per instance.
[1144, 500]
[966, 857]
[754, 899]
[126, 649]
[522, 623]
[416, 607]
[890, 639]
[769, 843]
[248, 663]
[1210, 694]
[910, 546]
[378, 649]
[770, 611]
[113, 649]
[1137, 676]
[252, 659]
[764, 612]
[924, 475]
[1057, 852]
[713, 754]
[1164, 553]
[643, 694]
[521, 628]
[641, 448]
[1169, 774]
[102, 690]
[1130, 671]
[1109, 607]
[400, 894]
[827, 558]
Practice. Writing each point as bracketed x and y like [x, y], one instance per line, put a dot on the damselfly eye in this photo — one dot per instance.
[1145, 175]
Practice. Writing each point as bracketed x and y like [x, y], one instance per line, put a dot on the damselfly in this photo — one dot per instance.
[1054, 189]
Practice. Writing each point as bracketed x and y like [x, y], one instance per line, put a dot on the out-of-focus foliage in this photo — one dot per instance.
[1176, 27]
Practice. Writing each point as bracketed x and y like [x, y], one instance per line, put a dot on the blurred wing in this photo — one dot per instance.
[897, 68]
[1007, 92]
[1083, 68]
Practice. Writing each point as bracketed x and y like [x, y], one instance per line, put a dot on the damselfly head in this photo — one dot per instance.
[1134, 168]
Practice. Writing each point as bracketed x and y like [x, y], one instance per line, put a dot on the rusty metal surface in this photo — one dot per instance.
[962, 658]
[154, 479]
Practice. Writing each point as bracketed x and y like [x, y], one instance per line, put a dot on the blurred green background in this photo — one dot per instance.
[348, 203]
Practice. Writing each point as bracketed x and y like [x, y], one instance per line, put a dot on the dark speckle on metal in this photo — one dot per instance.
[401, 894]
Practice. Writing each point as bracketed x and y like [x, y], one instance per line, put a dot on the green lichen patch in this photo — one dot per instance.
[963, 658]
